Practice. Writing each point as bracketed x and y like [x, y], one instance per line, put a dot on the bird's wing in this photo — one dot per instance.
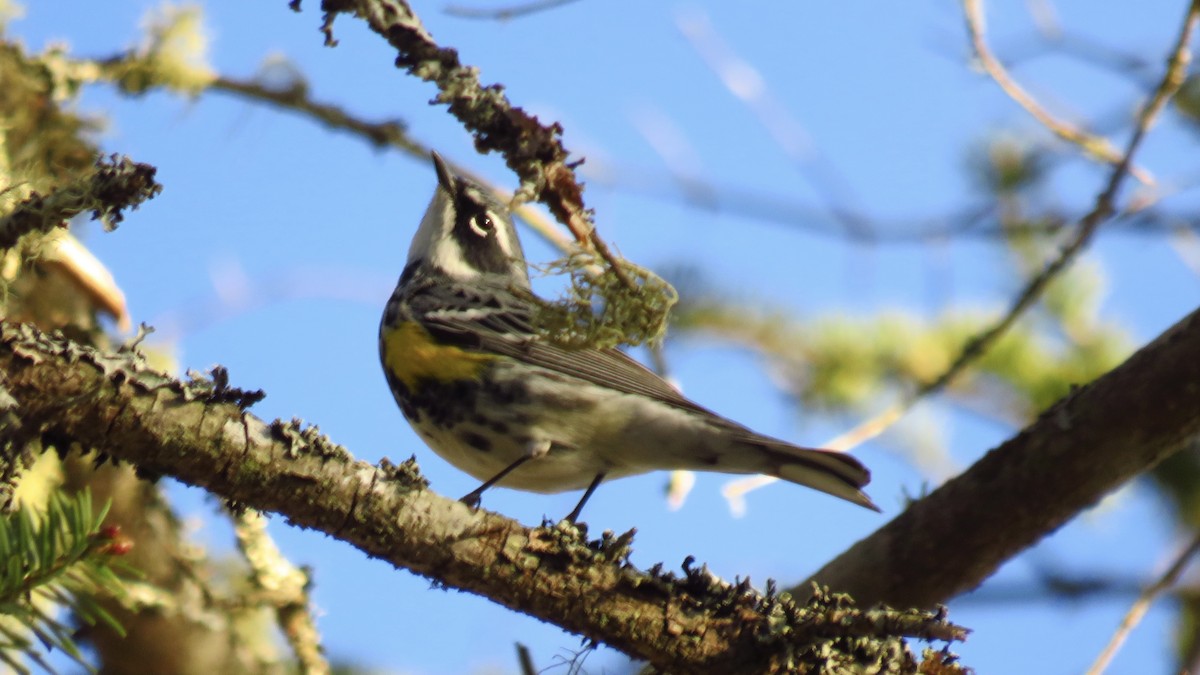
[498, 320]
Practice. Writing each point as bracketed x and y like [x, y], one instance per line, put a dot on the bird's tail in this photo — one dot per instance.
[834, 473]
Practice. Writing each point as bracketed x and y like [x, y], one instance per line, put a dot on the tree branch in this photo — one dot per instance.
[296, 98]
[199, 433]
[531, 149]
[117, 183]
[286, 589]
[1079, 450]
[505, 13]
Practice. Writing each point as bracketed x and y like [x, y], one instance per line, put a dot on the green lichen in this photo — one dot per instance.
[173, 54]
[604, 308]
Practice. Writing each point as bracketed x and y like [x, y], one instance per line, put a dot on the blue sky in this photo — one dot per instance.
[316, 226]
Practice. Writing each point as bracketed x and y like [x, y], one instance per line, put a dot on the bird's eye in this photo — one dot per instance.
[481, 224]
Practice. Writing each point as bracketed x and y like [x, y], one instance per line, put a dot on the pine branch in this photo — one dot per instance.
[54, 561]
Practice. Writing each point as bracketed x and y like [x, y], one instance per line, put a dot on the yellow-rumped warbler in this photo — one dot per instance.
[510, 408]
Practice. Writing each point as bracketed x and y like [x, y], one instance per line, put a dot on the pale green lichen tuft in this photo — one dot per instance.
[601, 310]
[173, 53]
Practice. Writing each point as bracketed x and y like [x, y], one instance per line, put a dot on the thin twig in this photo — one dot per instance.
[784, 128]
[976, 221]
[1096, 146]
[1103, 210]
[1134, 616]
[1173, 78]
[505, 13]
[389, 133]
[296, 97]
[761, 206]
[1085, 48]
[531, 149]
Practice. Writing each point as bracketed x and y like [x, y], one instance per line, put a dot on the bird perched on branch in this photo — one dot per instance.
[498, 400]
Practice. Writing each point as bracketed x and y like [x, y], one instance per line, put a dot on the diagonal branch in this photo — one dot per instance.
[285, 588]
[532, 149]
[296, 98]
[505, 13]
[380, 134]
[1142, 605]
[199, 433]
[1083, 447]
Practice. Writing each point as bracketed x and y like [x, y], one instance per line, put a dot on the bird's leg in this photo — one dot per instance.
[536, 449]
[587, 494]
[472, 498]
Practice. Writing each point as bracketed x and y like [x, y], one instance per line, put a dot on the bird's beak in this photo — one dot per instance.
[445, 178]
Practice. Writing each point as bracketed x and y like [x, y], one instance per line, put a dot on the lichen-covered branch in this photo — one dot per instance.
[284, 587]
[117, 184]
[200, 433]
[1080, 449]
[532, 149]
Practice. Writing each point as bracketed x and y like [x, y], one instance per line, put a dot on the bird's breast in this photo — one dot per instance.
[411, 355]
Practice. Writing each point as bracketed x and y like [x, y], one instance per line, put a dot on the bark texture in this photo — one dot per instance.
[1079, 450]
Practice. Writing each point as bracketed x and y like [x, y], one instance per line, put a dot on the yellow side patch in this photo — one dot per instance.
[411, 355]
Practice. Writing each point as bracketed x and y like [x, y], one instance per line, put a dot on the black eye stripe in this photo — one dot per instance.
[474, 229]
[473, 208]
[486, 242]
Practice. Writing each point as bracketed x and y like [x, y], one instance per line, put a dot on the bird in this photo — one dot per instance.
[496, 399]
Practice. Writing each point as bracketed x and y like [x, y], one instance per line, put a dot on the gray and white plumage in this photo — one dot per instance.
[575, 415]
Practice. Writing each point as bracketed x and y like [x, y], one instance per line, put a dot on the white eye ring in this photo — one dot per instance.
[474, 223]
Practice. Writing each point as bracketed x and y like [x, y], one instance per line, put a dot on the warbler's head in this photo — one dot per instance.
[466, 233]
